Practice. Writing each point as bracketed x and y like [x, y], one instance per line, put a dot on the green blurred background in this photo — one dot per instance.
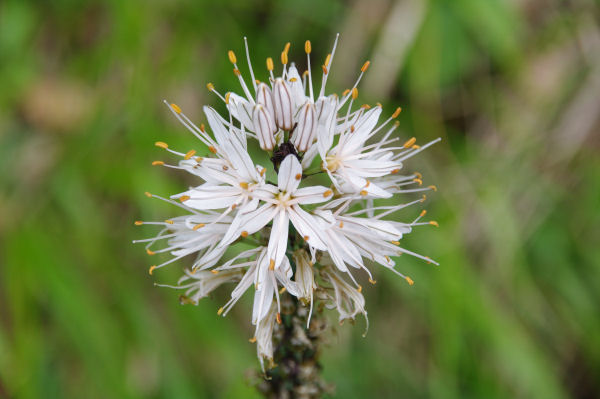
[512, 87]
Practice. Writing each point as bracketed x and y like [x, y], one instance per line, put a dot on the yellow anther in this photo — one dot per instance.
[227, 97]
[341, 224]
[220, 311]
[233, 206]
[199, 159]
[359, 288]
[306, 238]
[138, 223]
[368, 183]
[327, 193]
[147, 194]
[151, 270]
[307, 47]
[198, 226]
[415, 147]
[434, 188]
[293, 80]
[272, 264]
[161, 144]
[364, 192]
[324, 69]
[184, 198]
[327, 60]
[345, 92]
[286, 49]
[189, 154]
[396, 112]
[212, 149]
[410, 142]
[424, 198]
[354, 93]
[210, 86]
[372, 281]
[417, 174]
[284, 58]
[434, 223]
[157, 163]
[304, 74]
[418, 181]
[278, 318]
[428, 259]
[252, 340]
[236, 72]
[244, 234]
[409, 280]
[282, 290]
[213, 271]
[378, 104]
[394, 171]
[202, 128]
[396, 242]
[352, 128]
[270, 63]
[232, 57]
[244, 185]
[168, 221]
[423, 213]
[263, 171]
[387, 258]
[365, 66]
[365, 106]
[299, 176]
[176, 108]
[149, 252]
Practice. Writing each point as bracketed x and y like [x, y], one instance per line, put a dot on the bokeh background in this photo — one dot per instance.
[512, 87]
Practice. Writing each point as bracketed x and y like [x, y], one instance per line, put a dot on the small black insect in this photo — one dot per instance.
[281, 152]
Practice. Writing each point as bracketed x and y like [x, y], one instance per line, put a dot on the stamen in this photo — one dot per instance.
[365, 66]
[189, 154]
[157, 163]
[410, 142]
[161, 144]
[434, 223]
[176, 108]
[232, 57]
[138, 223]
[409, 280]
[272, 264]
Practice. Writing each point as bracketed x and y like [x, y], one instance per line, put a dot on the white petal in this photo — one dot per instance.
[290, 173]
[307, 227]
[312, 195]
[279, 238]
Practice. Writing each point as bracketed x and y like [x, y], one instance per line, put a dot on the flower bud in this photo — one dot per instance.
[264, 126]
[306, 128]
[265, 98]
[282, 101]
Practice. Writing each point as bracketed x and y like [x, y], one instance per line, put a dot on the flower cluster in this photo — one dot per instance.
[329, 162]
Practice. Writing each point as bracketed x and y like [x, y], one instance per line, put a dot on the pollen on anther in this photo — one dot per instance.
[214, 271]
[418, 181]
[202, 128]
[341, 224]
[324, 69]
[293, 80]
[410, 142]
[161, 144]
[244, 234]
[189, 154]
[395, 171]
[147, 194]
[396, 112]
[168, 221]
[198, 226]
[184, 198]
[434, 223]
[359, 288]
[227, 97]
[365, 66]
[286, 48]
[327, 60]
[434, 188]
[423, 198]
[138, 223]
[272, 264]
[220, 311]
[157, 163]
[395, 242]
[210, 86]
[176, 108]
[306, 238]
[327, 193]
[151, 270]
[372, 281]
[364, 192]
[244, 185]
[270, 64]
[423, 213]
[366, 106]
[284, 58]
[212, 149]
[232, 57]
[352, 128]
[299, 176]
[354, 93]
[409, 280]
[252, 340]
[282, 290]
[149, 251]
[307, 47]
[263, 171]
[278, 318]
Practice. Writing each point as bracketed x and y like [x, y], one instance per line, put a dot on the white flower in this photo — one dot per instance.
[237, 223]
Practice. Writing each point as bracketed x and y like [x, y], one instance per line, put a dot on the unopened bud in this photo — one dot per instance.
[282, 101]
[265, 127]
[306, 128]
[265, 98]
